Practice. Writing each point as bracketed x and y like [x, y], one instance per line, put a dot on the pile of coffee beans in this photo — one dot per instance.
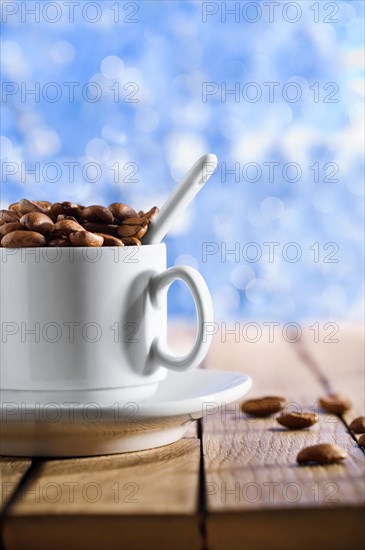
[41, 223]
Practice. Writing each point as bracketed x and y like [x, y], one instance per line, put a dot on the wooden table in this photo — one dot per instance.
[232, 483]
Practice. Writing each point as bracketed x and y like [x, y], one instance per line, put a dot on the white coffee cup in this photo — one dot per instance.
[88, 325]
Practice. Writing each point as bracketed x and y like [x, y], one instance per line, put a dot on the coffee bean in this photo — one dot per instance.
[23, 239]
[44, 204]
[297, 421]
[111, 229]
[35, 221]
[151, 213]
[335, 403]
[15, 208]
[61, 217]
[9, 227]
[324, 453]
[26, 206]
[65, 209]
[358, 425]
[131, 241]
[85, 238]
[263, 406]
[64, 228]
[109, 240]
[97, 213]
[59, 242]
[361, 441]
[9, 216]
[118, 225]
[133, 227]
[122, 211]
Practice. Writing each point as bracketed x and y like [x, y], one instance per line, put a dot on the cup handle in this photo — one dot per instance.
[159, 354]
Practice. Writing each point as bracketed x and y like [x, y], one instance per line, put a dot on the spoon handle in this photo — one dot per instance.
[180, 198]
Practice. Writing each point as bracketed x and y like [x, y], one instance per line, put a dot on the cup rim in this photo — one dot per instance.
[139, 247]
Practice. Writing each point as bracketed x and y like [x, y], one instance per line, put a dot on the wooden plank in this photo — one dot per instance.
[257, 496]
[12, 471]
[339, 361]
[136, 500]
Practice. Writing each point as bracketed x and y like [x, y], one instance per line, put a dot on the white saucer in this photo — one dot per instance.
[56, 430]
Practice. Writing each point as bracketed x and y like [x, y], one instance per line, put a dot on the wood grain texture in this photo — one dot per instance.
[11, 473]
[135, 500]
[257, 495]
[341, 365]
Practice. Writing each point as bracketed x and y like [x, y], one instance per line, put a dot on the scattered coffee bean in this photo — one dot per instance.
[335, 403]
[324, 453]
[358, 425]
[35, 221]
[264, 406]
[23, 239]
[9, 216]
[297, 421]
[122, 211]
[9, 227]
[117, 225]
[361, 441]
[85, 238]
[109, 240]
[97, 213]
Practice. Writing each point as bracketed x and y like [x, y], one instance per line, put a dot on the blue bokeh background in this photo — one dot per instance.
[147, 119]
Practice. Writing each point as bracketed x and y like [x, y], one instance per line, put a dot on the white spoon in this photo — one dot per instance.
[180, 198]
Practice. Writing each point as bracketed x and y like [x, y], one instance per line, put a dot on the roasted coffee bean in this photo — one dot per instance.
[109, 240]
[44, 204]
[63, 217]
[362, 441]
[133, 227]
[358, 425]
[26, 206]
[297, 421]
[11, 226]
[263, 406]
[111, 229]
[151, 213]
[35, 221]
[335, 403]
[131, 241]
[85, 238]
[15, 208]
[66, 209]
[9, 216]
[118, 225]
[324, 453]
[122, 211]
[97, 213]
[23, 239]
[59, 242]
[64, 228]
